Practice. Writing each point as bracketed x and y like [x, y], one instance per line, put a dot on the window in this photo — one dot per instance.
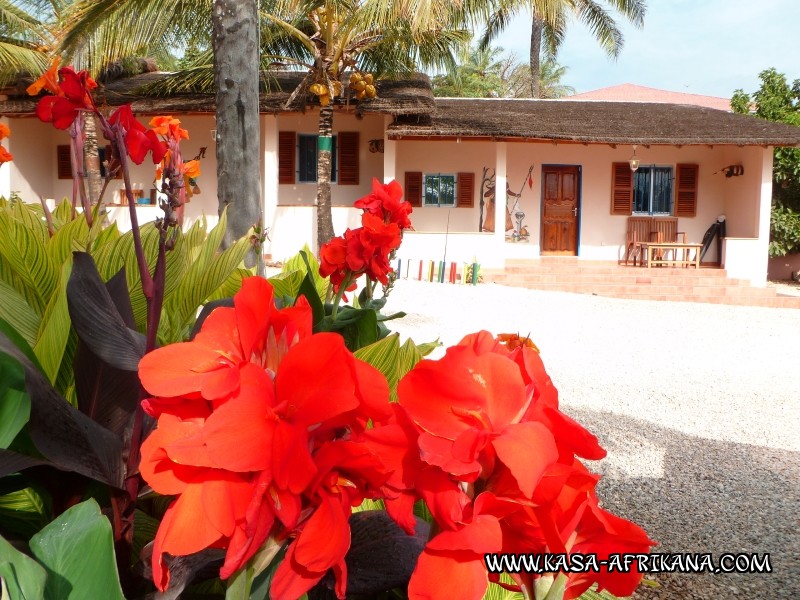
[655, 193]
[652, 190]
[307, 158]
[440, 190]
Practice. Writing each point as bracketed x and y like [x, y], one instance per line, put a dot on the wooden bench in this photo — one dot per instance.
[657, 253]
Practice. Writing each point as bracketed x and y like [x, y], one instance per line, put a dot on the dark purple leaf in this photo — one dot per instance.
[381, 557]
[106, 394]
[96, 318]
[70, 440]
[183, 569]
[13, 462]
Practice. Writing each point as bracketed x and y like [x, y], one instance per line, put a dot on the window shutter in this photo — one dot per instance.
[414, 188]
[621, 189]
[63, 162]
[686, 178]
[465, 190]
[286, 153]
[348, 158]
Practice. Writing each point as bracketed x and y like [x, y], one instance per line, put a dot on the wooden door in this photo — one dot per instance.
[560, 204]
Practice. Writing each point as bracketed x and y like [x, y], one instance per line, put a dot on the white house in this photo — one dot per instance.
[565, 164]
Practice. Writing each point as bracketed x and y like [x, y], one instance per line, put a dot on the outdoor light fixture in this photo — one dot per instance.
[634, 162]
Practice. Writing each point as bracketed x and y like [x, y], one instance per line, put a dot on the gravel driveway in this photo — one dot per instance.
[698, 406]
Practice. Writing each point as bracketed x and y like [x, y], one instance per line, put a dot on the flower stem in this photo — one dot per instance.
[348, 278]
[557, 588]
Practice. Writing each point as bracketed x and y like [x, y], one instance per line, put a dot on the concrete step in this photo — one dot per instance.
[568, 274]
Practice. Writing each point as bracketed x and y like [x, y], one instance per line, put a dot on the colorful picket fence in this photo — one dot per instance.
[438, 271]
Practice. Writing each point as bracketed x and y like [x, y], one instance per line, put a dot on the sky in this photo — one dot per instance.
[709, 47]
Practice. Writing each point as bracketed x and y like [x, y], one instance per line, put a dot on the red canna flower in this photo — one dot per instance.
[470, 409]
[253, 331]
[385, 201]
[139, 140]
[5, 156]
[212, 503]
[254, 442]
[73, 95]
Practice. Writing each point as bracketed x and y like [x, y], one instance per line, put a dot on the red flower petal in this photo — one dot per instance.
[254, 304]
[158, 470]
[527, 449]
[438, 451]
[325, 539]
[185, 529]
[481, 536]
[174, 370]
[292, 579]
[292, 466]
[313, 382]
[225, 499]
[456, 575]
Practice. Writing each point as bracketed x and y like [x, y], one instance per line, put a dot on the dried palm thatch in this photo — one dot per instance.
[591, 123]
[153, 93]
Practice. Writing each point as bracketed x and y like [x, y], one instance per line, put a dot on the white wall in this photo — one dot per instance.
[291, 216]
[601, 234]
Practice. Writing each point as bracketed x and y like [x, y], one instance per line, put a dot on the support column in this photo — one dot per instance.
[5, 169]
[269, 153]
[763, 216]
[389, 154]
[500, 199]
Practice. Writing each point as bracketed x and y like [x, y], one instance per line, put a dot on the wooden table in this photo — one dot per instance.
[684, 261]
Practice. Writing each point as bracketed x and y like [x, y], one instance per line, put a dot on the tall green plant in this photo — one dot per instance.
[776, 100]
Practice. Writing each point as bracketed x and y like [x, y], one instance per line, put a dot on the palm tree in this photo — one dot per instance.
[549, 19]
[550, 74]
[23, 41]
[337, 37]
[29, 36]
[126, 27]
[479, 74]
[323, 37]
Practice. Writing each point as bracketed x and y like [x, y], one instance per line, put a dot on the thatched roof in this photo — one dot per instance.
[401, 97]
[418, 115]
[591, 122]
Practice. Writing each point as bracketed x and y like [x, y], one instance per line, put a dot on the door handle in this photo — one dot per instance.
[575, 212]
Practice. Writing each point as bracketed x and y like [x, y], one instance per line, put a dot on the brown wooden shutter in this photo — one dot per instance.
[64, 162]
[414, 188]
[287, 141]
[348, 158]
[621, 189]
[686, 177]
[465, 190]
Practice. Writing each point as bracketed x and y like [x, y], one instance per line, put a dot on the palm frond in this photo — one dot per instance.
[601, 24]
[633, 10]
[17, 59]
[102, 31]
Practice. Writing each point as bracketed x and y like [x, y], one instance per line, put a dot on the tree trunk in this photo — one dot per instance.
[236, 65]
[91, 159]
[536, 48]
[324, 165]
